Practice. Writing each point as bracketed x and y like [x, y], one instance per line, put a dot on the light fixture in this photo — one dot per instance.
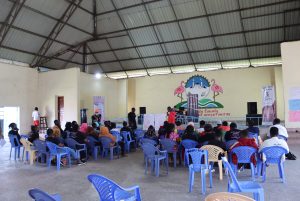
[97, 75]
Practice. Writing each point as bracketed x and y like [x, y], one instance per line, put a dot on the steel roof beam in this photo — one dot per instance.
[56, 30]
[269, 14]
[80, 7]
[71, 57]
[96, 59]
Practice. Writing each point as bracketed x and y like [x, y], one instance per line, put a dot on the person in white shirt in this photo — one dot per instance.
[36, 116]
[281, 129]
[274, 141]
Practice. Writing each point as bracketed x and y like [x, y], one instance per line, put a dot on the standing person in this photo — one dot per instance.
[36, 116]
[131, 119]
[171, 115]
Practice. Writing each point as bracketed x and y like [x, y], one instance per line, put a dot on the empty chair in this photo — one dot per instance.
[15, 144]
[73, 144]
[42, 152]
[39, 195]
[199, 164]
[171, 147]
[95, 149]
[128, 140]
[28, 147]
[153, 154]
[56, 151]
[244, 155]
[243, 186]
[213, 156]
[108, 148]
[110, 191]
[225, 196]
[188, 144]
[273, 155]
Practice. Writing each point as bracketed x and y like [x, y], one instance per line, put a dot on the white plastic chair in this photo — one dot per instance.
[28, 148]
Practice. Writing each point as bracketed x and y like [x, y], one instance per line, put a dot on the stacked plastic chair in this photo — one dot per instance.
[106, 147]
[73, 144]
[225, 196]
[28, 147]
[170, 147]
[16, 147]
[272, 155]
[213, 156]
[56, 151]
[187, 144]
[153, 154]
[243, 186]
[128, 140]
[110, 191]
[199, 156]
[39, 195]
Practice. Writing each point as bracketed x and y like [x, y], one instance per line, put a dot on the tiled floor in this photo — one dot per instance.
[17, 178]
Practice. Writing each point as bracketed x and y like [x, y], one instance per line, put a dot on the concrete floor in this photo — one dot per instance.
[17, 178]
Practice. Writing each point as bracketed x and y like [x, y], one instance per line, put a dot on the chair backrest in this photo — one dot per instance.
[105, 187]
[13, 139]
[126, 135]
[273, 154]
[198, 156]
[25, 143]
[39, 195]
[213, 152]
[282, 137]
[139, 133]
[188, 144]
[149, 149]
[105, 141]
[146, 140]
[71, 143]
[117, 135]
[52, 147]
[229, 143]
[226, 196]
[253, 135]
[243, 153]
[41, 146]
[231, 176]
[168, 145]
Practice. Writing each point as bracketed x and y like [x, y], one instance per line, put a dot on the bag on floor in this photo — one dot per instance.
[290, 156]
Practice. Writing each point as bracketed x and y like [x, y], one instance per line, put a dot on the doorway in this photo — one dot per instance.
[60, 108]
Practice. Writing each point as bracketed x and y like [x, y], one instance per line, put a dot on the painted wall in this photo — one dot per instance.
[290, 52]
[59, 83]
[18, 88]
[240, 86]
[114, 91]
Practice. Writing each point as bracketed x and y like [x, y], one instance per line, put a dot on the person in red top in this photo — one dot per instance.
[244, 141]
[224, 126]
[171, 115]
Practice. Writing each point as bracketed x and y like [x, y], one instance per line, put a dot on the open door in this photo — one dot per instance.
[60, 108]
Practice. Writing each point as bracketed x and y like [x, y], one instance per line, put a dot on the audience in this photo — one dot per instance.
[150, 134]
[251, 128]
[281, 129]
[179, 125]
[207, 135]
[233, 133]
[201, 128]
[224, 127]
[34, 134]
[163, 130]
[83, 128]
[14, 131]
[58, 126]
[190, 134]
[170, 132]
[128, 129]
[216, 141]
[217, 127]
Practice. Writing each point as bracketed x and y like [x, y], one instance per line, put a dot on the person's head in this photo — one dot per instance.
[36, 109]
[191, 124]
[224, 123]
[13, 126]
[56, 132]
[68, 126]
[151, 130]
[276, 121]
[33, 128]
[169, 109]
[273, 131]
[165, 124]
[125, 124]
[74, 123]
[233, 126]
[107, 124]
[113, 125]
[250, 123]
[218, 134]
[202, 123]
[178, 123]
[219, 123]
[49, 132]
[189, 130]
[90, 130]
[208, 128]
[75, 127]
[243, 134]
[170, 128]
[133, 109]
[56, 122]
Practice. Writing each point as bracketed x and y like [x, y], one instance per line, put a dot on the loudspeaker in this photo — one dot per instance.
[142, 110]
[252, 107]
[256, 118]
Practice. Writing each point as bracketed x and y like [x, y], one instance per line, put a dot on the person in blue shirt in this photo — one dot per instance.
[251, 128]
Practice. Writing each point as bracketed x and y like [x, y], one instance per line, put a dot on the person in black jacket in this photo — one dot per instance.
[233, 134]
[216, 141]
[190, 133]
[131, 119]
[34, 134]
[14, 131]
[128, 129]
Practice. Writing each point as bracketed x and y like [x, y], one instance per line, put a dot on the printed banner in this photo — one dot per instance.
[98, 102]
[294, 104]
[148, 121]
[268, 105]
[159, 120]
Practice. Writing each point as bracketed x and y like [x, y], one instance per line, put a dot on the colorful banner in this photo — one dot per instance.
[268, 105]
[98, 102]
[294, 104]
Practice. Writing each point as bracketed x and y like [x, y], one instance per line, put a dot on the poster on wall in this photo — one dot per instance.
[268, 105]
[149, 120]
[98, 102]
[294, 104]
[159, 120]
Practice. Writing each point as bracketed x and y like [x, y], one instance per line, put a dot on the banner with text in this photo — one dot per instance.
[268, 105]
[98, 102]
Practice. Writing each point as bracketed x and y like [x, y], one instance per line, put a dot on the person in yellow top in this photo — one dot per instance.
[104, 132]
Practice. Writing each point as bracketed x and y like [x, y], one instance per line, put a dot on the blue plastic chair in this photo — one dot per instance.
[106, 147]
[56, 151]
[146, 140]
[153, 154]
[117, 135]
[243, 154]
[273, 155]
[139, 135]
[39, 195]
[199, 156]
[242, 186]
[282, 137]
[95, 149]
[169, 146]
[17, 148]
[188, 144]
[110, 191]
[41, 150]
[230, 143]
[253, 135]
[128, 140]
[73, 144]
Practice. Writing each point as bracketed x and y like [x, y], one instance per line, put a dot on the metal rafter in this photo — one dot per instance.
[197, 17]
[96, 59]
[71, 57]
[80, 7]
[130, 37]
[10, 18]
[56, 30]
[95, 19]
[84, 58]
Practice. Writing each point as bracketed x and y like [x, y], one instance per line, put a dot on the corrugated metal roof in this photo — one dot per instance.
[132, 64]
[110, 67]
[169, 32]
[108, 22]
[4, 9]
[106, 56]
[135, 17]
[120, 42]
[216, 6]
[160, 11]
[55, 8]
[176, 47]
[71, 35]
[233, 54]
[202, 57]
[195, 27]
[128, 53]
[86, 25]
[188, 8]
[15, 56]
[156, 61]
[104, 5]
[226, 23]
[180, 59]
[143, 36]
[98, 45]
[230, 40]
[152, 50]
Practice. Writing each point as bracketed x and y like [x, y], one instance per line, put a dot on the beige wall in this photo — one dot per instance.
[240, 86]
[290, 52]
[18, 88]
[59, 83]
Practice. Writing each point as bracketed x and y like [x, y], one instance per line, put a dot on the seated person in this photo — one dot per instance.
[162, 130]
[179, 125]
[281, 129]
[244, 141]
[233, 133]
[224, 127]
[251, 128]
[274, 141]
[68, 130]
[201, 128]
[217, 127]
[207, 135]
[190, 133]
[34, 134]
[58, 126]
[82, 129]
[150, 134]
[14, 131]
[96, 127]
[170, 132]
[113, 127]
[128, 129]
[55, 140]
[216, 141]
